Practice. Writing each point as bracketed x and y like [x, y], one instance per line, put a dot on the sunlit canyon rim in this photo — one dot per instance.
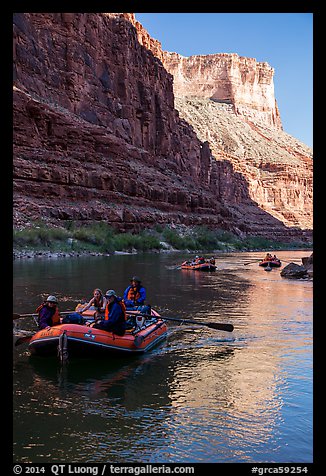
[108, 126]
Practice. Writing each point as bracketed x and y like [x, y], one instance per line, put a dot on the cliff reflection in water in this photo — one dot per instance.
[201, 396]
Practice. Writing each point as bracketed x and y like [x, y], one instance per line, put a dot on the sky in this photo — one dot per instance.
[283, 40]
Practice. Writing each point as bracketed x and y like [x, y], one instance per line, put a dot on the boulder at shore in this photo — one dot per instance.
[296, 271]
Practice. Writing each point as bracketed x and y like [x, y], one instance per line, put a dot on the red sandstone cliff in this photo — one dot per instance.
[96, 135]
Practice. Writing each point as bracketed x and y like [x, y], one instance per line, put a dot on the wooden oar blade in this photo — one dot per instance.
[220, 326]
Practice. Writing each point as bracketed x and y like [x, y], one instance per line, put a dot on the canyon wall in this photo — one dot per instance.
[97, 136]
[277, 168]
[230, 102]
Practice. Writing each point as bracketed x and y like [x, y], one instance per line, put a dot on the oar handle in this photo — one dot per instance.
[139, 339]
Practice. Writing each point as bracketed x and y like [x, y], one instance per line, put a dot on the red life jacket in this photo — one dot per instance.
[123, 308]
[133, 294]
[55, 317]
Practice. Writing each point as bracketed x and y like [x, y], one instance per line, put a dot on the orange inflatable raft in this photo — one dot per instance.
[200, 266]
[80, 339]
[274, 263]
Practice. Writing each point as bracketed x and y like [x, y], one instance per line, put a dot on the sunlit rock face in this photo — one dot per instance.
[97, 136]
[243, 82]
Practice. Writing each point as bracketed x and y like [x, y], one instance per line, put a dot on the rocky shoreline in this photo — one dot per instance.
[58, 254]
[28, 254]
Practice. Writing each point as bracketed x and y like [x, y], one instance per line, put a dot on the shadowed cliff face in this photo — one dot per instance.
[96, 135]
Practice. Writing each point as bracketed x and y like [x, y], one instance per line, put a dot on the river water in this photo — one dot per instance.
[201, 396]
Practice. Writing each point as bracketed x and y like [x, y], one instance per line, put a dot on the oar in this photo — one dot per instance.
[23, 339]
[252, 261]
[285, 261]
[211, 325]
[19, 316]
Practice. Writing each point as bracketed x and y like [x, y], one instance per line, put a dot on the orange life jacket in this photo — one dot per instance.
[133, 294]
[55, 317]
[123, 308]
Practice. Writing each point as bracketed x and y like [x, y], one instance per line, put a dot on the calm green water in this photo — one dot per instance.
[201, 396]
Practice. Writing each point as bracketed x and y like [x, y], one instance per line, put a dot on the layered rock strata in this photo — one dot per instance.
[244, 83]
[97, 137]
[277, 167]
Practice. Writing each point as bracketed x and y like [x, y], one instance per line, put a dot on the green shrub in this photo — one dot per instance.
[141, 242]
[39, 236]
[99, 236]
[96, 233]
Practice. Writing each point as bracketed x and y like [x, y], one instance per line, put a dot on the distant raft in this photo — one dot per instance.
[207, 266]
[274, 263]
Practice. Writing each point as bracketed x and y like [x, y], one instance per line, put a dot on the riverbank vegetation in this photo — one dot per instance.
[101, 238]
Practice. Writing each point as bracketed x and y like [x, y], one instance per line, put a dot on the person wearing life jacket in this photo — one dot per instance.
[195, 260]
[98, 302]
[134, 295]
[48, 313]
[199, 260]
[115, 315]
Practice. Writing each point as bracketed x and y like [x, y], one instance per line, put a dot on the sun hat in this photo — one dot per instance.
[52, 299]
[110, 293]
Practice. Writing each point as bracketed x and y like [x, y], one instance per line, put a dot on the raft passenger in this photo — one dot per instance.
[134, 296]
[199, 260]
[98, 302]
[115, 315]
[48, 313]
